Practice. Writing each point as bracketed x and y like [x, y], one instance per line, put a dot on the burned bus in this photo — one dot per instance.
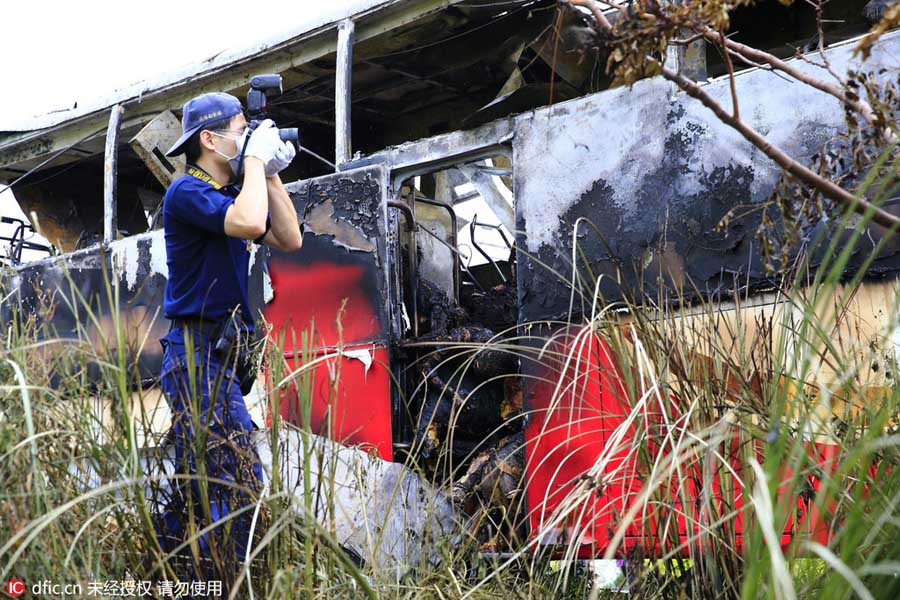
[475, 189]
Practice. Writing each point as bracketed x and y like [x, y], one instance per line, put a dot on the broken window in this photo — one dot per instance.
[19, 242]
[460, 379]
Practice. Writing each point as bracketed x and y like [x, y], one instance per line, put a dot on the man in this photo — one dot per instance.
[210, 222]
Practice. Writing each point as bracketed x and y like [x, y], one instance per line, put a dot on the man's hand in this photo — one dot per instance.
[283, 157]
[264, 142]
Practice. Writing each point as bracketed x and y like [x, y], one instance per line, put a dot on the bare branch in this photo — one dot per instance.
[594, 7]
[825, 186]
[728, 47]
[819, 5]
[686, 41]
[760, 66]
[859, 105]
[727, 56]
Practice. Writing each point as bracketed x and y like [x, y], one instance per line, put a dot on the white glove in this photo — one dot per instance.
[283, 157]
[264, 142]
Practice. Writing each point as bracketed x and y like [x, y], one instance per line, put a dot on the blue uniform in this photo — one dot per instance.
[207, 280]
[207, 269]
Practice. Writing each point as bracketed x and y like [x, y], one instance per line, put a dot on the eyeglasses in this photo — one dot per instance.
[236, 140]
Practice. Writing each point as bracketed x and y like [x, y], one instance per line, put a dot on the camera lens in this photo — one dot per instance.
[290, 134]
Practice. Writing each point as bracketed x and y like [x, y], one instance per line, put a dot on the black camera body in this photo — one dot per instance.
[263, 87]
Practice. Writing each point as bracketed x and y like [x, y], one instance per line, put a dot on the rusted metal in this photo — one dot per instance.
[58, 212]
[110, 174]
[407, 211]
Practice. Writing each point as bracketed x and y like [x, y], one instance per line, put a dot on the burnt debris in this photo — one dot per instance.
[470, 399]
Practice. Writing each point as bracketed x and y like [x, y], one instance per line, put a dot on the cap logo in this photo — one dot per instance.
[211, 115]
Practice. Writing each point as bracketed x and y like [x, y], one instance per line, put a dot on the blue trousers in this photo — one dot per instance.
[211, 427]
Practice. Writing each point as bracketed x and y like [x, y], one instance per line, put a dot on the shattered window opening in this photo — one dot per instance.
[19, 242]
[464, 397]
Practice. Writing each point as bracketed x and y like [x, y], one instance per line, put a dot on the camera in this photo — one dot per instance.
[263, 87]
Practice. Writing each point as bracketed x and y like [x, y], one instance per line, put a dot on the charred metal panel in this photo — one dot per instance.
[344, 217]
[630, 186]
[331, 302]
[354, 199]
[432, 154]
[655, 172]
[71, 297]
[151, 143]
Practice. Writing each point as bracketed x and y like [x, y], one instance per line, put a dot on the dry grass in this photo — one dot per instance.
[719, 412]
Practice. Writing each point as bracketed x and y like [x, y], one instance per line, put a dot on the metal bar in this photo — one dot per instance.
[453, 238]
[26, 245]
[343, 147]
[410, 220]
[18, 243]
[110, 169]
[454, 251]
[445, 150]
[417, 77]
[498, 229]
[481, 251]
[18, 239]
[413, 260]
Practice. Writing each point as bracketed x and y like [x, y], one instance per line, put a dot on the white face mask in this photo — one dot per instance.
[233, 161]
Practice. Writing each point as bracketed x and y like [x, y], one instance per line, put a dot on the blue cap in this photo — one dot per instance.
[203, 111]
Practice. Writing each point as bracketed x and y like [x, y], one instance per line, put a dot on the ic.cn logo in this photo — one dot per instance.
[15, 587]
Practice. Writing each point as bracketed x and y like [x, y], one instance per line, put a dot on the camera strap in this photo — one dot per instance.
[240, 167]
[195, 171]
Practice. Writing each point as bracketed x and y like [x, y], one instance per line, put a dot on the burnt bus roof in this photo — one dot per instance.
[401, 65]
[420, 68]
